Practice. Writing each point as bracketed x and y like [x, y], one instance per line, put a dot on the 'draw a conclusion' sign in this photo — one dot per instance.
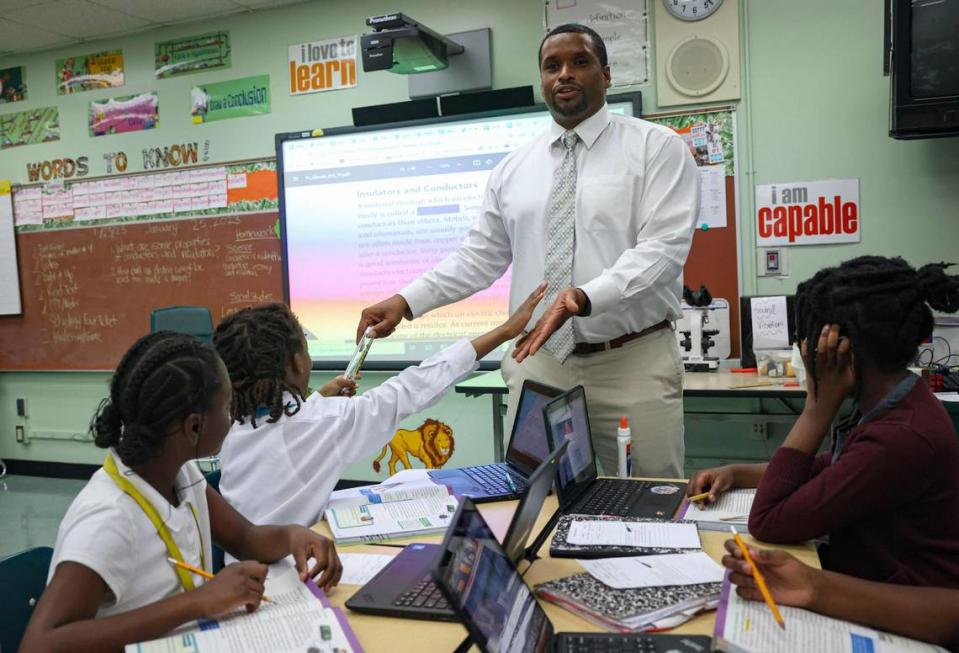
[808, 213]
[323, 65]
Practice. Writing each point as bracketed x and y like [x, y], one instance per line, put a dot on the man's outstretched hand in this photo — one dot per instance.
[567, 304]
[383, 317]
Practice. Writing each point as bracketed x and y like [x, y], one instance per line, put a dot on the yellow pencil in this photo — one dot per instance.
[760, 581]
[199, 572]
[698, 497]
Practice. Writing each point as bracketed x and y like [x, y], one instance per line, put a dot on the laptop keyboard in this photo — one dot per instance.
[492, 478]
[425, 594]
[600, 643]
[612, 497]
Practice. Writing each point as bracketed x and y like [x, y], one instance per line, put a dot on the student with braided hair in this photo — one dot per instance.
[287, 450]
[887, 493]
[110, 582]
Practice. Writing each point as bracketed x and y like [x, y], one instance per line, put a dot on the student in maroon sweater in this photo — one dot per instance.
[887, 494]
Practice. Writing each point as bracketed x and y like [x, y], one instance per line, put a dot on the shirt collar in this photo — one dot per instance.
[845, 425]
[588, 130]
[171, 516]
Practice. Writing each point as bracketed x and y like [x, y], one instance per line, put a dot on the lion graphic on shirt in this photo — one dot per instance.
[432, 443]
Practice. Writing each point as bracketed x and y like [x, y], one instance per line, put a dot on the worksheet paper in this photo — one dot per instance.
[360, 568]
[731, 507]
[748, 626]
[663, 535]
[654, 570]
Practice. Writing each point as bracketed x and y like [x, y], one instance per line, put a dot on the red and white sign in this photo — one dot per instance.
[808, 213]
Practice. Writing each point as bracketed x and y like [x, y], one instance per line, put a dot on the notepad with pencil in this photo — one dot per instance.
[730, 509]
[298, 618]
[744, 626]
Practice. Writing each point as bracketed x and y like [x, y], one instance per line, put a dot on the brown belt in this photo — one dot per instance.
[594, 347]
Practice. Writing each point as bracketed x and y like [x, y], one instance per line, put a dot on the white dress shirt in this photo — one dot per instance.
[106, 531]
[284, 472]
[637, 200]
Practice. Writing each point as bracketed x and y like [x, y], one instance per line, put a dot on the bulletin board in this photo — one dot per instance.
[97, 256]
[714, 257]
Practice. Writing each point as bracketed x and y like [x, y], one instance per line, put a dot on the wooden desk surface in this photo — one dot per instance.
[381, 634]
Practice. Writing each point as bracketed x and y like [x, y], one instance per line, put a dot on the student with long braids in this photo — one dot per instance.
[286, 450]
[887, 493]
[110, 583]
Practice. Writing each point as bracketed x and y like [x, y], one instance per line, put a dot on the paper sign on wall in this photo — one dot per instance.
[770, 323]
[808, 213]
[323, 65]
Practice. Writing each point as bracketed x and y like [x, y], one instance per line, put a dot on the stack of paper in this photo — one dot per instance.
[655, 570]
[748, 627]
[731, 509]
[388, 511]
[297, 618]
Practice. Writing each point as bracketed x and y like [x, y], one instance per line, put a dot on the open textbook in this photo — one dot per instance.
[748, 627]
[297, 618]
[731, 509]
[383, 512]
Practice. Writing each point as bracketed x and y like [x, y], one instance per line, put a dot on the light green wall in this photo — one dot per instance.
[814, 107]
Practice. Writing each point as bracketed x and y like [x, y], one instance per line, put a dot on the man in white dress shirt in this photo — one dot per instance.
[603, 207]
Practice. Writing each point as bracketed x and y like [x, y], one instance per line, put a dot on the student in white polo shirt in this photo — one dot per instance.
[110, 582]
[288, 447]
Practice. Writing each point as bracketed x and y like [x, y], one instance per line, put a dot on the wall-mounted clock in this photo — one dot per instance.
[692, 9]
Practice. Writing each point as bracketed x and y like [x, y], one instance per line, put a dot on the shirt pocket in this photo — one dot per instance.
[608, 202]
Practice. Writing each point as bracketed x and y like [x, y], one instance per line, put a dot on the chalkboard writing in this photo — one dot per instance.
[88, 293]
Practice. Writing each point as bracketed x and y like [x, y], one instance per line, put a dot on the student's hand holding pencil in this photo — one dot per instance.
[790, 582]
[238, 584]
[711, 483]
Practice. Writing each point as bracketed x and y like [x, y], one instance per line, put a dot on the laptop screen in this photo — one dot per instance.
[485, 589]
[567, 421]
[528, 446]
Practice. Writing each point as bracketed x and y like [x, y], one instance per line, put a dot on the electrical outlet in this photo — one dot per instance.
[21, 434]
[759, 431]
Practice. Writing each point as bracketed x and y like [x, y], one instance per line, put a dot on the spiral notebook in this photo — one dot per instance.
[629, 610]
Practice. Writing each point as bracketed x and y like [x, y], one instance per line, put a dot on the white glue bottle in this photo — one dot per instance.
[624, 444]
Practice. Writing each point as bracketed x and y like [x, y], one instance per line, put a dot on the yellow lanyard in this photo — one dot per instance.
[186, 579]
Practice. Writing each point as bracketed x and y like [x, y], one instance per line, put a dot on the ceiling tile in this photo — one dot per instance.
[78, 18]
[24, 38]
[171, 11]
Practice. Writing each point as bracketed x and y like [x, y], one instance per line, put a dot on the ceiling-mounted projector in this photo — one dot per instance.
[401, 45]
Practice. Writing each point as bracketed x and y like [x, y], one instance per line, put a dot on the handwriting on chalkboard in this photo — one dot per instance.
[91, 290]
[770, 323]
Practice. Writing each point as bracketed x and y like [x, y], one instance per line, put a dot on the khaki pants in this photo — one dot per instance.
[642, 380]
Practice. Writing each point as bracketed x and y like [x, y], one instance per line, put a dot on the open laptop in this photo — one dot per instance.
[579, 489]
[500, 612]
[404, 588]
[527, 449]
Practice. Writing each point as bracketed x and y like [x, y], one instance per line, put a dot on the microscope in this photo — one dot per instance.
[697, 340]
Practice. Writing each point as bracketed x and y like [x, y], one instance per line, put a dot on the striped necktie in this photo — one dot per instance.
[560, 240]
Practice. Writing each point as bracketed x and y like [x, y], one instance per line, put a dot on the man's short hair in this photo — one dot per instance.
[575, 28]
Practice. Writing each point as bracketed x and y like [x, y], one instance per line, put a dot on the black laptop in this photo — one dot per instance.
[527, 449]
[579, 489]
[500, 612]
[404, 588]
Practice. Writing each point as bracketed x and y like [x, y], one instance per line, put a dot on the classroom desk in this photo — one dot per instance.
[381, 634]
[715, 385]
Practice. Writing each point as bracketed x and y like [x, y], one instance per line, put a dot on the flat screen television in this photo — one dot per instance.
[366, 210]
[924, 69]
